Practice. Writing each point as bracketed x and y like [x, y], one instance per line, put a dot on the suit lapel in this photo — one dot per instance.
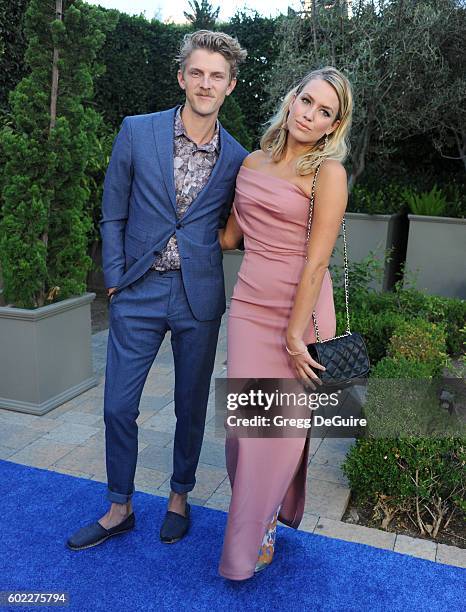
[163, 132]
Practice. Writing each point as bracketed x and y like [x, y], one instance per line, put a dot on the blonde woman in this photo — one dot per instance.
[270, 320]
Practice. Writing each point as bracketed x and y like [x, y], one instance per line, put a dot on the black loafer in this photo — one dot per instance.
[175, 526]
[94, 534]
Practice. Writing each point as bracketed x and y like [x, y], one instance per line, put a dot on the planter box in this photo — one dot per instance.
[437, 251]
[46, 358]
[376, 233]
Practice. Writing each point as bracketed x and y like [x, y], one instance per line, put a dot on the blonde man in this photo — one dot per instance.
[170, 182]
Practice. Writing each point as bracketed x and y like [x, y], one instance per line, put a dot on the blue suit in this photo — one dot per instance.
[138, 218]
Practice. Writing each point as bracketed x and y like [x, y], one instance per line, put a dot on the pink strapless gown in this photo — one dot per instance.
[266, 472]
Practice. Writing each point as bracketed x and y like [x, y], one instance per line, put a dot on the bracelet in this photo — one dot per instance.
[294, 353]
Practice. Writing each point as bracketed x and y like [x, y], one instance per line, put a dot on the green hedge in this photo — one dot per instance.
[423, 480]
[375, 316]
[420, 341]
[411, 461]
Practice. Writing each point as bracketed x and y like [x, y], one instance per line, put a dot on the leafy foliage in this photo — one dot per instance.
[258, 35]
[386, 200]
[140, 74]
[233, 121]
[431, 202]
[421, 479]
[371, 50]
[12, 47]
[419, 340]
[45, 225]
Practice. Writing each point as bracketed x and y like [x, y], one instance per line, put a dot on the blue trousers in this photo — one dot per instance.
[140, 315]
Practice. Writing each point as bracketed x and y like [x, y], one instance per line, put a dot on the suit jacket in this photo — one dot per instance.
[139, 211]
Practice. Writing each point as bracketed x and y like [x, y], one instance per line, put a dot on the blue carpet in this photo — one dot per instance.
[311, 573]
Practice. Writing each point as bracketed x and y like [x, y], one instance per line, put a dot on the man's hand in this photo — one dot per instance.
[110, 292]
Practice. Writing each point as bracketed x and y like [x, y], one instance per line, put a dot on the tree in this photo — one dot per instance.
[203, 16]
[445, 109]
[390, 52]
[45, 225]
[233, 121]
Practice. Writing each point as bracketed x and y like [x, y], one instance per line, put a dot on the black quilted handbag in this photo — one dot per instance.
[344, 357]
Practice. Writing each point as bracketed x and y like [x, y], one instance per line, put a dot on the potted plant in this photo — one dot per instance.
[45, 222]
[437, 240]
[376, 227]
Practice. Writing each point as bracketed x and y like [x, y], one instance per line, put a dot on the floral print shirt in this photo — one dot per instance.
[193, 165]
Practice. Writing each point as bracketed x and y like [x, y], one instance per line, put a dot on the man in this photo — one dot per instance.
[169, 184]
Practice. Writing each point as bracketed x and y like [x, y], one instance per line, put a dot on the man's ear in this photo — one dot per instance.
[181, 81]
[231, 86]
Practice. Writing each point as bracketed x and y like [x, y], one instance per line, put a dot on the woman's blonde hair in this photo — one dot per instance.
[275, 137]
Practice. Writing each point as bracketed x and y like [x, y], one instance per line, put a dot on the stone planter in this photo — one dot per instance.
[365, 233]
[437, 252]
[46, 356]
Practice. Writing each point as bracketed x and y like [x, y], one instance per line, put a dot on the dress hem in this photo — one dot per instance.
[236, 576]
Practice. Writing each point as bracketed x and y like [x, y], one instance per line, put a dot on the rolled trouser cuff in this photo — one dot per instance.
[177, 487]
[118, 498]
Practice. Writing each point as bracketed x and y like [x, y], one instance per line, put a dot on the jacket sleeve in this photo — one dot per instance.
[115, 204]
[229, 203]
[226, 209]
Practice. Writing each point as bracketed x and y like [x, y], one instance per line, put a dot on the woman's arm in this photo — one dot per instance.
[230, 237]
[331, 196]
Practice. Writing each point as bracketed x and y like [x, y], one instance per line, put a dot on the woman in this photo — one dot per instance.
[270, 320]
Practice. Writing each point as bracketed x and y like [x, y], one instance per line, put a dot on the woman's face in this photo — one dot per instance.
[313, 112]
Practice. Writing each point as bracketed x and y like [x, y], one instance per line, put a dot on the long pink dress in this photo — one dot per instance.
[266, 472]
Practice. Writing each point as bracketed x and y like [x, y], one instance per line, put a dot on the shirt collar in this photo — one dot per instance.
[179, 130]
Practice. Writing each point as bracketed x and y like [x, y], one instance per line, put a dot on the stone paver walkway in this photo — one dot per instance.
[70, 439]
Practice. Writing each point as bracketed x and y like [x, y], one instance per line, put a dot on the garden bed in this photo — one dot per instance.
[362, 514]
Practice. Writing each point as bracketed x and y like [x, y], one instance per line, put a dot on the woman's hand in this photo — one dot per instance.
[303, 364]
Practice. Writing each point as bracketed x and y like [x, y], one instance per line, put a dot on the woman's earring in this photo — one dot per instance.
[325, 142]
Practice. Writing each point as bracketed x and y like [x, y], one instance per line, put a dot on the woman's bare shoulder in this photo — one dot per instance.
[255, 159]
[333, 170]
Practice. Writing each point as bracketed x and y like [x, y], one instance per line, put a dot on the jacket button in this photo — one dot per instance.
[179, 225]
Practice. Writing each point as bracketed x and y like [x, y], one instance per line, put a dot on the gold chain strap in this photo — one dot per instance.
[345, 259]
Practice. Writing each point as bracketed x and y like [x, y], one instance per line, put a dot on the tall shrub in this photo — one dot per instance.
[43, 232]
[258, 35]
[140, 74]
[233, 121]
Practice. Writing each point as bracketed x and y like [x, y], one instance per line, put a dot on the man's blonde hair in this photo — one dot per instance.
[216, 42]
